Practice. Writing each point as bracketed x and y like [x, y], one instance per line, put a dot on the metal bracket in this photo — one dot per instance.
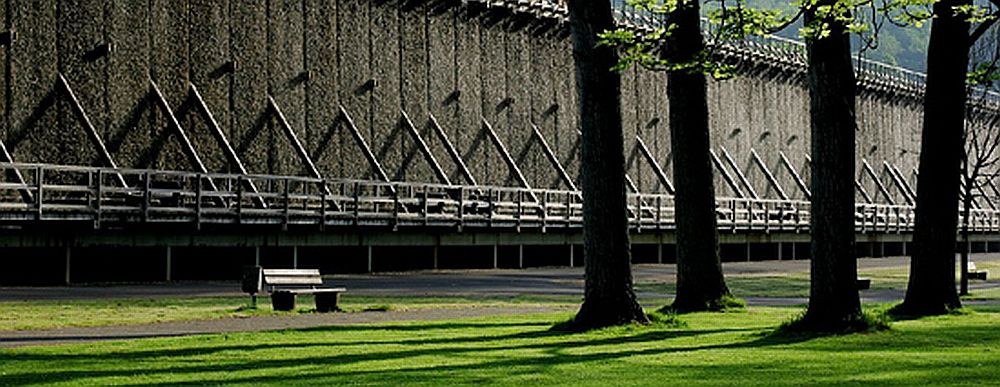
[424, 148]
[553, 159]
[455, 156]
[656, 166]
[768, 175]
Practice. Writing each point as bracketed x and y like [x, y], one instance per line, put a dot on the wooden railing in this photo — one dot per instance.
[57, 193]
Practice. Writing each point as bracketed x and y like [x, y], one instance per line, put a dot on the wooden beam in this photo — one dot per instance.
[185, 140]
[902, 179]
[424, 148]
[656, 166]
[878, 182]
[294, 139]
[220, 137]
[725, 175]
[739, 173]
[768, 175]
[505, 155]
[365, 149]
[88, 127]
[16, 175]
[899, 183]
[795, 175]
[553, 159]
[455, 156]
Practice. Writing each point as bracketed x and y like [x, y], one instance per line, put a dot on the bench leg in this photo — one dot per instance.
[327, 302]
[283, 301]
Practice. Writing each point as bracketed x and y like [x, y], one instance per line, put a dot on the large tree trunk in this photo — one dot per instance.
[608, 295]
[931, 289]
[700, 282]
[834, 303]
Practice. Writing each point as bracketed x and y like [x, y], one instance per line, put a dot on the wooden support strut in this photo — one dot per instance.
[360, 140]
[656, 166]
[768, 174]
[906, 185]
[878, 182]
[15, 174]
[725, 175]
[899, 183]
[857, 186]
[553, 159]
[455, 156]
[739, 173]
[213, 125]
[795, 175]
[422, 145]
[186, 144]
[505, 155]
[294, 139]
[95, 138]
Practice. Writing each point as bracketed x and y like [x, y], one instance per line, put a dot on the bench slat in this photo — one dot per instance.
[284, 280]
[313, 291]
[291, 272]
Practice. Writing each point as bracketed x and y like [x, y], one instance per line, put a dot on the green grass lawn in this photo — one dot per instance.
[709, 349]
[25, 315]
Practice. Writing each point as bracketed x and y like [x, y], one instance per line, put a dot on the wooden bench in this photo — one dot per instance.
[285, 284]
[974, 273]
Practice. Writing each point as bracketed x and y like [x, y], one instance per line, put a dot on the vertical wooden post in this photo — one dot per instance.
[295, 257]
[170, 264]
[571, 257]
[369, 258]
[520, 256]
[68, 258]
[496, 256]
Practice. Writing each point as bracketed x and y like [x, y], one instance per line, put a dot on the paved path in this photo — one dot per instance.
[540, 281]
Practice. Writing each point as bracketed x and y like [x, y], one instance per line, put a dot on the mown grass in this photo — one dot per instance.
[29, 315]
[708, 349]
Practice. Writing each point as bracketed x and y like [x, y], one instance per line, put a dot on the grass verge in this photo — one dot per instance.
[709, 349]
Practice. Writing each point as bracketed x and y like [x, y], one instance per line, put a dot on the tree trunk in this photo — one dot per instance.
[608, 295]
[700, 282]
[963, 288]
[931, 289]
[834, 303]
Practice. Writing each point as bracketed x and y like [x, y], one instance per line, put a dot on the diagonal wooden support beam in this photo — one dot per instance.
[408, 123]
[656, 165]
[878, 182]
[857, 186]
[16, 175]
[725, 175]
[220, 137]
[88, 127]
[985, 196]
[505, 155]
[739, 173]
[185, 140]
[293, 138]
[906, 185]
[365, 149]
[898, 182]
[455, 156]
[768, 175]
[795, 175]
[553, 159]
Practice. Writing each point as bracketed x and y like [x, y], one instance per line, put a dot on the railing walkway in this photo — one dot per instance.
[56, 193]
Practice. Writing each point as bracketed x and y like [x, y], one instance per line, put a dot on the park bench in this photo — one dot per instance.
[974, 273]
[285, 284]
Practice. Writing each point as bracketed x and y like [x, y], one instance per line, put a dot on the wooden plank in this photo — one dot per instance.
[422, 145]
[768, 174]
[455, 156]
[906, 185]
[662, 176]
[172, 122]
[878, 182]
[553, 159]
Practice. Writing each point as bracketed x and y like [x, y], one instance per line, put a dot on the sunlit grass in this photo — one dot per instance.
[707, 349]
